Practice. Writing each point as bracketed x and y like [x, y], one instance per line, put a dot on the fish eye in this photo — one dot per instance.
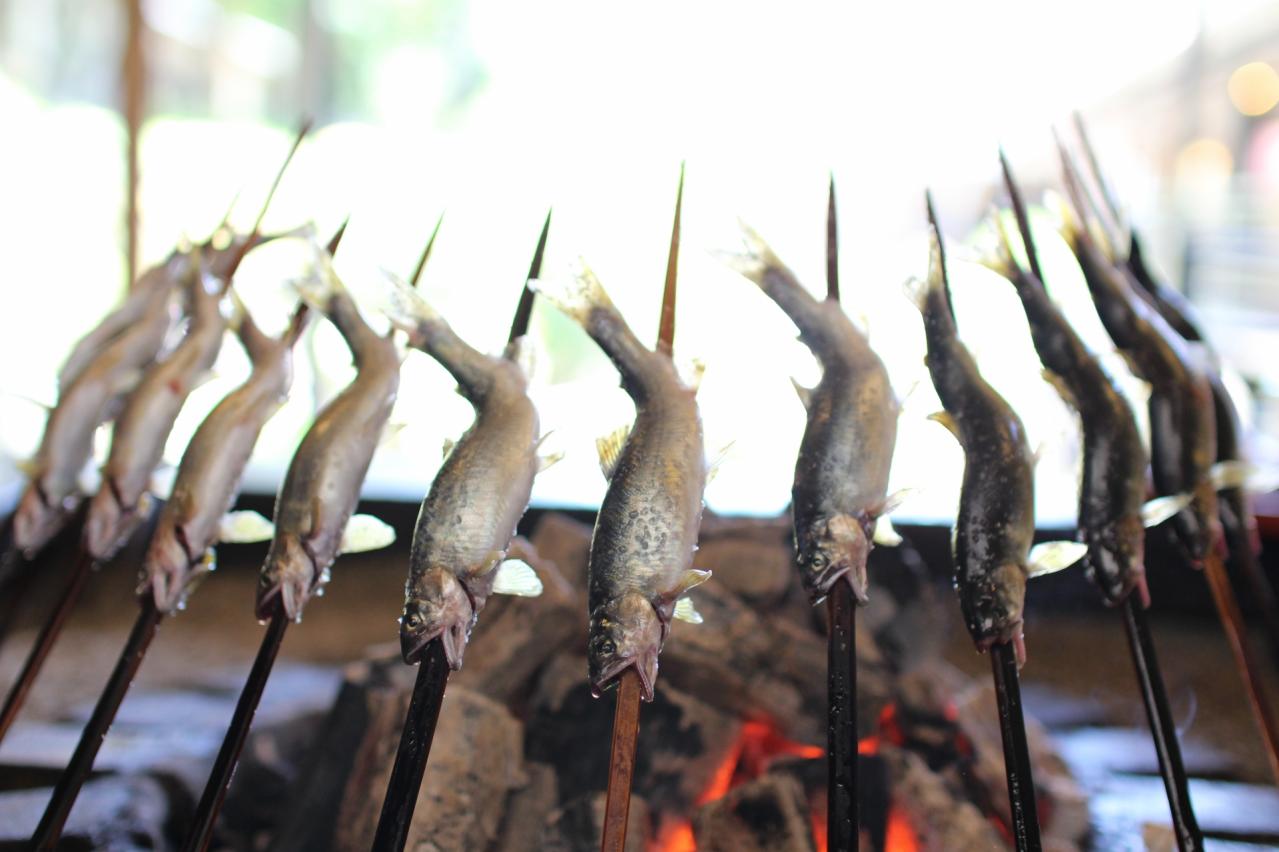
[819, 560]
[607, 647]
[412, 621]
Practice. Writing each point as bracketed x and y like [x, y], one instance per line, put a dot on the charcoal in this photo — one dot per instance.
[529, 810]
[120, 812]
[578, 826]
[760, 574]
[930, 809]
[769, 813]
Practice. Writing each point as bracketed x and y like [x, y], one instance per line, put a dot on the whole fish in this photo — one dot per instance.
[1112, 489]
[1183, 435]
[996, 519]
[646, 530]
[468, 519]
[123, 501]
[195, 515]
[323, 482]
[86, 402]
[841, 477]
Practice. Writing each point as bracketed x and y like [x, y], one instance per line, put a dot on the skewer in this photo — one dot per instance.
[626, 714]
[1012, 728]
[134, 73]
[1223, 597]
[433, 671]
[44, 642]
[841, 658]
[1162, 728]
[1146, 665]
[220, 777]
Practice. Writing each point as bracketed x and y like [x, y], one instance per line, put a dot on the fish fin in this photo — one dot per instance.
[692, 578]
[30, 468]
[691, 373]
[516, 577]
[1229, 474]
[894, 501]
[548, 460]
[805, 394]
[1160, 509]
[610, 449]
[1038, 453]
[1049, 557]
[405, 307]
[317, 285]
[162, 480]
[523, 353]
[365, 532]
[944, 418]
[712, 469]
[999, 257]
[685, 611]
[235, 311]
[390, 432]
[754, 256]
[1059, 385]
[244, 526]
[1063, 215]
[576, 294]
[885, 535]
[449, 444]
[916, 290]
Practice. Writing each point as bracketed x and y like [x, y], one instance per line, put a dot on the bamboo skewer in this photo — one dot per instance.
[841, 659]
[626, 714]
[1149, 678]
[418, 734]
[1012, 728]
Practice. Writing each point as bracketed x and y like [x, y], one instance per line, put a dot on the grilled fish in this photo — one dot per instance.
[323, 482]
[646, 530]
[194, 518]
[467, 521]
[841, 477]
[88, 400]
[123, 502]
[996, 519]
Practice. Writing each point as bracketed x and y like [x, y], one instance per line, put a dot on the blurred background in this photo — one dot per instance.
[496, 111]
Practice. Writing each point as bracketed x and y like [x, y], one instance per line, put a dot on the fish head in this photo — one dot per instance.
[38, 519]
[626, 631]
[110, 522]
[829, 548]
[289, 577]
[437, 606]
[170, 571]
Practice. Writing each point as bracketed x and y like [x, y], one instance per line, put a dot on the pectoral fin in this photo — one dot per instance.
[712, 470]
[805, 394]
[1156, 511]
[244, 527]
[1063, 390]
[885, 535]
[944, 418]
[1050, 557]
[516, 577]
[610, 449]
[390, 432]
[685, 611]
[449, 444]
[365, 532]
[543, 462]
[1229, 474]
[692, 578]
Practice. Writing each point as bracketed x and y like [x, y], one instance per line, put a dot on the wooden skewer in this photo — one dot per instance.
[1149, 678]
[626, 715]
[396, 817]
[133, 74]
[84, 566]
[1012, 728]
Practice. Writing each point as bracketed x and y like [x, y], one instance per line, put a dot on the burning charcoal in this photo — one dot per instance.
[518, 635]
[475, 761]
[121, 812]
[566, 542]
[1065, 809]
[578, 825]
[529, 810]
[769, 813]
[927, 811]
[684, 743]
[759, 573]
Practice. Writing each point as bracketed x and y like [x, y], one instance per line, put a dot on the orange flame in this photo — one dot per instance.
[901, 836]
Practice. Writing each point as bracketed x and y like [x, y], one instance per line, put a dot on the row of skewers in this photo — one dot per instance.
[641, 564]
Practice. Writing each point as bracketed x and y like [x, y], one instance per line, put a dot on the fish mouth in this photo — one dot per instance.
[1014, 635]
[820, 585]
[646, 668]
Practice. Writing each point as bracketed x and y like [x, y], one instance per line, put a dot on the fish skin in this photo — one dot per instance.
[841, 476]
[89, 400]
[138, 439]
[647, 526]
[1183, 429]
[1112, 489]
[322, 486]
[212, 466]
[468, 519]
[995, 524]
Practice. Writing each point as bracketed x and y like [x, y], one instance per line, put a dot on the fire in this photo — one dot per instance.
[900, 837]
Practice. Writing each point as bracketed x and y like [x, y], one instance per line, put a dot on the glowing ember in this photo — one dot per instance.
[900, 836]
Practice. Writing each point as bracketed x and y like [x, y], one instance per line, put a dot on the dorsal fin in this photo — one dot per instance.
[610, 449]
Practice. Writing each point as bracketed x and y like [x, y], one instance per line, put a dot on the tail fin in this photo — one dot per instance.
[320, 282]
[297, 324]
[1000, 258]
[576, 295]
[754, 258]
[406, 309]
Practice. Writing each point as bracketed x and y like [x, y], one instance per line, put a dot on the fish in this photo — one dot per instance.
[1183, 430]
[646, 530]
[467, 522]
[123, 501]
[195, 517]
[89, 399]
[322, 486]
[1112, 488]
[995, 524]
[841, 476]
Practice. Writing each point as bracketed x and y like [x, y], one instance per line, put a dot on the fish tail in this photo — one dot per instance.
[406, 308]
[320, 284]
[999, 257]
[754, 258]
[577, 295]
[297, 324]
[934, 287]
